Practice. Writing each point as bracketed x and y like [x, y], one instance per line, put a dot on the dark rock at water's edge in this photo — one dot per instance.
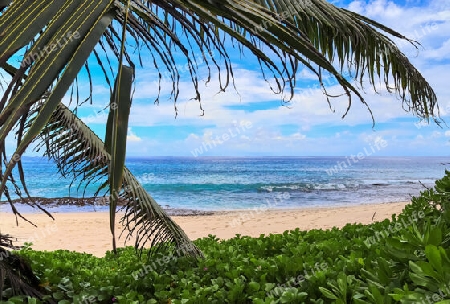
[95, 202]
[63, 201]
[186, 212]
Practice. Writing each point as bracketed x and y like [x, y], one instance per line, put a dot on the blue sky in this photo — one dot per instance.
[261, 125]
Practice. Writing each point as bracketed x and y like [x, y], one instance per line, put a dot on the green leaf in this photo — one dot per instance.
[253, 286]
[327, 293]
[434, 256]
[118, 129]
[58, 295]
[22, 22]
[435, 237]
[418, 276]
[269, 286]
[72, 55]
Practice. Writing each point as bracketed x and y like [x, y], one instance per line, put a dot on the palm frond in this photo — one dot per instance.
[313, 33]
[7, 241]
[85, 18]
[116, 138]
[75, 148]
[4, 4]
[16, 274]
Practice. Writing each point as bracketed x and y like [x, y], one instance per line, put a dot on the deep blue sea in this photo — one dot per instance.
[224, 183]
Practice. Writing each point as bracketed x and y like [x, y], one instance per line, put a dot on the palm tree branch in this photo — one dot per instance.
[143, 217]
[314, 33]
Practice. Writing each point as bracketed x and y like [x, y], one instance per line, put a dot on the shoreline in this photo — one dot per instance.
[89, 205]
[89, 231]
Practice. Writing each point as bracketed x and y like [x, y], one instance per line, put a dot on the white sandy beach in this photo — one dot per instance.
[89, 232]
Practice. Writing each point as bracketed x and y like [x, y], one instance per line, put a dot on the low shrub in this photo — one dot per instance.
[402, 260]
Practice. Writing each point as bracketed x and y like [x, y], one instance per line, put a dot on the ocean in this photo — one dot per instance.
[233, 183]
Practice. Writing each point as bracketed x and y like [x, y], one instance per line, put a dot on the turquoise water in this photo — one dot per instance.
[219, 183]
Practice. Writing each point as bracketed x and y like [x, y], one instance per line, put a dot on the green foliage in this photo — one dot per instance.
[409, 263]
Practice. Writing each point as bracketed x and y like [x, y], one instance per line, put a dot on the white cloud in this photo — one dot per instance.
[436, 134]
[443, 52]
[298, 136]
[192, 136]
[131, 137]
